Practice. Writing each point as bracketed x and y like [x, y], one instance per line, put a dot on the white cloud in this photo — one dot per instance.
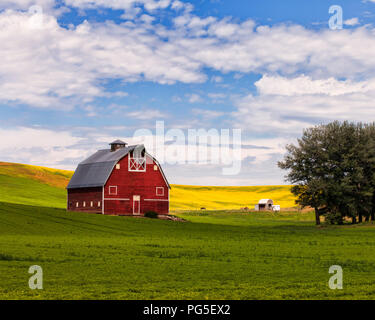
[263, 149]
[39, 146]
[24, 137]
[91, 111]
[194, 98]
[50, 66]
[118, 5]
[209, 114]
[26, 4]
[287, 105]
[302, 85]
[216, 95]
[217, 79]
[351, 22]
[179, 5]
[147, 114]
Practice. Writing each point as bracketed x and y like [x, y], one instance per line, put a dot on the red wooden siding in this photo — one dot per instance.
[130, 184]
[86, 195]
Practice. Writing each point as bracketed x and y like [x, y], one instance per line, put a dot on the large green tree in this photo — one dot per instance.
[332, 168]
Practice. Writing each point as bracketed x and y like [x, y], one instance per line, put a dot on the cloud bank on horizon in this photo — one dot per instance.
[82, 72]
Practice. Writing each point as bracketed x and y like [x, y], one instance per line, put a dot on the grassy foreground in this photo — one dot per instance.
[217, 255]
[214, 255]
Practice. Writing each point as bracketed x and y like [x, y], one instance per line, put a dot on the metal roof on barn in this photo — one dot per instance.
[95, 170]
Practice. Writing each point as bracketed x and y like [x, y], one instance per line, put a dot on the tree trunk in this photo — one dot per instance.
[373, 216]
[360, 218]
[317, 217]
[367, 219]
[354, 220]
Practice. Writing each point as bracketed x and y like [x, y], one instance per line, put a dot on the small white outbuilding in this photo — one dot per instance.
[264, 204]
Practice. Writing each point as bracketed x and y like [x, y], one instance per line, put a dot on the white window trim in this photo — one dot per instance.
[158, 194]
[118, 167]
[111, 193]
[136, 170]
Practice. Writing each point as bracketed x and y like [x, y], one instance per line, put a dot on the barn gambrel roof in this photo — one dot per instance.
[96, 169]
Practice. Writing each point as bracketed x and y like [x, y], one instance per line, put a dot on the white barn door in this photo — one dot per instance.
[136, 205]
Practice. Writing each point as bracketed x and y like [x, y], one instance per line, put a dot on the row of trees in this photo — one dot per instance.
[332, 168]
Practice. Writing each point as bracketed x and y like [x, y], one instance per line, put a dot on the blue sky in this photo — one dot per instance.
[77, 74]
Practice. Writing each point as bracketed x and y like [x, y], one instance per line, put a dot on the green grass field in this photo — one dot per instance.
[214, 255]
[218, 255]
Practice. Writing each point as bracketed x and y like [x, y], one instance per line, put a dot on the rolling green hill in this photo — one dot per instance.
[32, 185]
[25, 184]
[213, 255]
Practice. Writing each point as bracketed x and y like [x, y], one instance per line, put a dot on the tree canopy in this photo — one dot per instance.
[332, 169]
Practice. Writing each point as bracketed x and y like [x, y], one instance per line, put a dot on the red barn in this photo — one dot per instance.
[122, 180]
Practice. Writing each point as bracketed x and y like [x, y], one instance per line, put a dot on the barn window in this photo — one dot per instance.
[155, 167]
[113, 190]
[91, 204]
[98, 203]
[77, 204]
[159, 191]
[118, 166]
[137, 160]
[84, 203]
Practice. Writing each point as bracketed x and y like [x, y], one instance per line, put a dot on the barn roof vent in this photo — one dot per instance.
[117, 144]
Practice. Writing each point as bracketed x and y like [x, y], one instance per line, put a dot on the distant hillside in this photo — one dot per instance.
[32, 185]
[40, 186]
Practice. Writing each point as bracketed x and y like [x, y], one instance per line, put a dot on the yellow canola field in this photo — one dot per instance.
[216, 198]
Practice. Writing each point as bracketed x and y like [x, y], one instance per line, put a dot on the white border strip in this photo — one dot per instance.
[103, 200]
